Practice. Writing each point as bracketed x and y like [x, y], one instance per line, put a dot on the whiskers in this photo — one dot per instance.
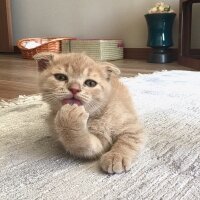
[53, 96]
[49, 97]
[95, 107]
[84, 98]
[92, 105]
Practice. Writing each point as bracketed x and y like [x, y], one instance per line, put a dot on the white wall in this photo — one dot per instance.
[106, 19]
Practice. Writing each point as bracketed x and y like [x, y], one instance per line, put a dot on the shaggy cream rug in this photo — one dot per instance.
[33, 166]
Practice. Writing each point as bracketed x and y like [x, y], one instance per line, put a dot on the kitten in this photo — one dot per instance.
[92, 111]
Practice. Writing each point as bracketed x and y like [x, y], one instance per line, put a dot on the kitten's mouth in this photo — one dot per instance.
[72, 101]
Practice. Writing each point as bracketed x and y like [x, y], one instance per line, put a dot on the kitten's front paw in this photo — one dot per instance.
[112, 162]
[72, 117]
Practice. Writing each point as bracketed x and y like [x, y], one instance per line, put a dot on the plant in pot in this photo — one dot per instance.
[160, 21]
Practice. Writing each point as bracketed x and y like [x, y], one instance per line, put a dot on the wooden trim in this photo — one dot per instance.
[195, 53]
[186, 34]
[16, 49]
[134, 53]
[6, 27]
[189, 62]
[143, 53]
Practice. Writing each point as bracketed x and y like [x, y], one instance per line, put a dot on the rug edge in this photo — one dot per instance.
[21, 99]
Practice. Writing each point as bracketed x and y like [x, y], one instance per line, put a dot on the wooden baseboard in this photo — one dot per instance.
[195, 52]
[16, 49]
[143, 53]
[189, 62]
[136, 53]
[131, 53]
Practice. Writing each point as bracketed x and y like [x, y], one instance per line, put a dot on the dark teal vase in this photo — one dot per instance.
[160, 36]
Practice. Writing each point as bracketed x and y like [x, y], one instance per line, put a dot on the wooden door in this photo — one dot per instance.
[5, 26]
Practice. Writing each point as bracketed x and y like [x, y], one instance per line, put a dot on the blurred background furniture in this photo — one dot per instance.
[187, 56]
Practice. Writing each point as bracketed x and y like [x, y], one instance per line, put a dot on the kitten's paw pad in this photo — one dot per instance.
[115, 163]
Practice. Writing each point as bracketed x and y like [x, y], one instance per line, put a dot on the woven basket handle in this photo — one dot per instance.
[55, 40]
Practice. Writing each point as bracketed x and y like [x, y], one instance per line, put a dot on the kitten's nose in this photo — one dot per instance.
[74, 88]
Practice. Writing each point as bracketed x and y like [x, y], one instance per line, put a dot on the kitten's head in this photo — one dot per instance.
[75, 78]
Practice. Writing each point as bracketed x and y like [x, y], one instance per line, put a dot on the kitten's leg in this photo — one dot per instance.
[71, 127]
[123, 151]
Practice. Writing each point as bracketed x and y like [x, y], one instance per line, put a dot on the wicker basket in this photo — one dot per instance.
[46, 44]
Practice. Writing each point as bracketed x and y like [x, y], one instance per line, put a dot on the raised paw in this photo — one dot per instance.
[112, 162]
[72, 117]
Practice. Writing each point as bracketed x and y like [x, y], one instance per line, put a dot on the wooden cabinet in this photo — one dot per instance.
[187, 56]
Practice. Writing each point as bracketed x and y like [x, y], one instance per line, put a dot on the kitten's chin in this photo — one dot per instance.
[72, 101]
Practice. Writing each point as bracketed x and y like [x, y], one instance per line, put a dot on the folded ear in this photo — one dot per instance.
[111, 69]
[43, 60]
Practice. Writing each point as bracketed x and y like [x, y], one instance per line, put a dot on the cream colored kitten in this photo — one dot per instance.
[92, 111]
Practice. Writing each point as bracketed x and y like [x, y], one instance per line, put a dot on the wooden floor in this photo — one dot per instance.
[19, 76]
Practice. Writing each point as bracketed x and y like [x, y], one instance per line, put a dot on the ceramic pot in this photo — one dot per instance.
[160, 36]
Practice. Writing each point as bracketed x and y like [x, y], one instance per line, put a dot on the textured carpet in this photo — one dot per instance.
[33, 166]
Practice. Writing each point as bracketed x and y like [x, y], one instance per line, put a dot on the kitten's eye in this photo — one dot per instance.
[61, 77]
[90, 83]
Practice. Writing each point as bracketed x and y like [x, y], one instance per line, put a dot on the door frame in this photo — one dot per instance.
[6, 35]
